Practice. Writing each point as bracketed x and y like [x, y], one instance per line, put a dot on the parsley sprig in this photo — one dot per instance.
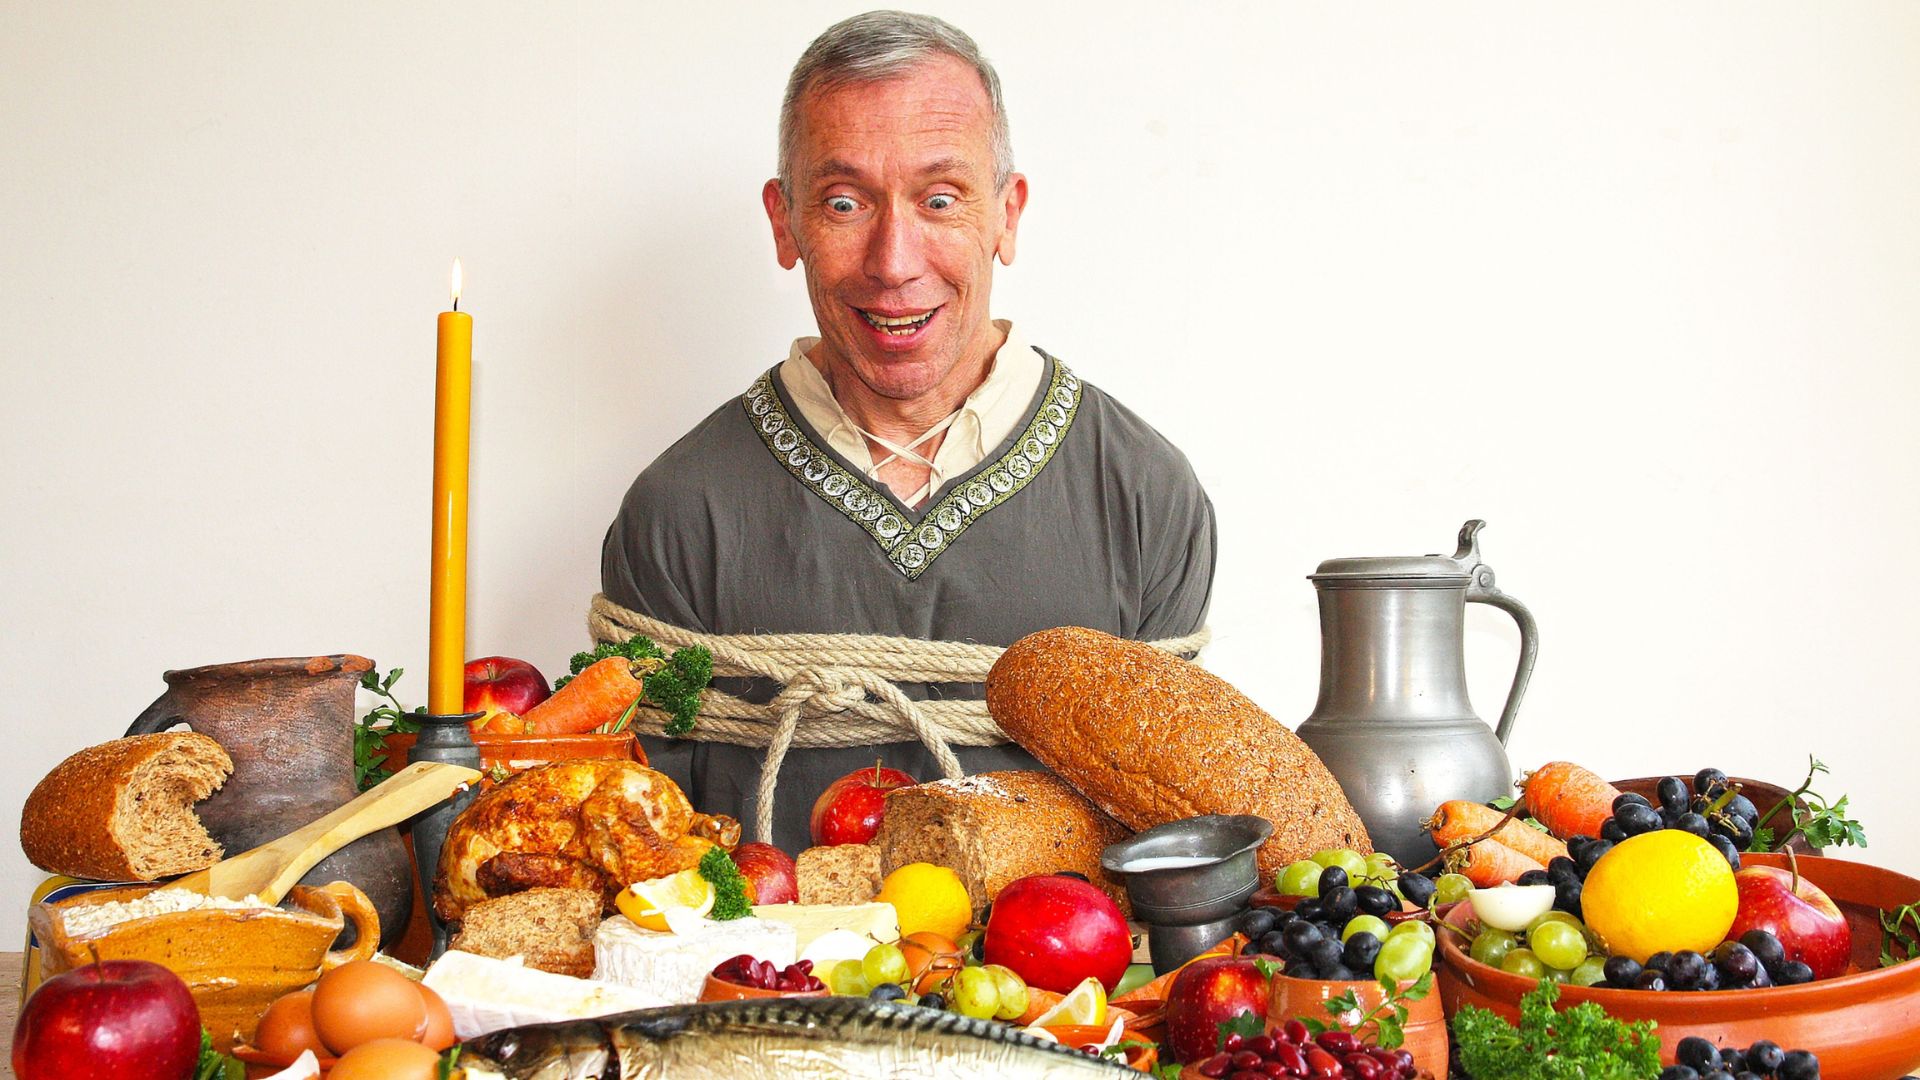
[674, 684]
[1582, 1043]
[1389, 1018]
[729, 885]
[1809, 814]
[1900, 935]
[384, 719]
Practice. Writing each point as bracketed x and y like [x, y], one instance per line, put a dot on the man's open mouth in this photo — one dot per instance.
[900, 326]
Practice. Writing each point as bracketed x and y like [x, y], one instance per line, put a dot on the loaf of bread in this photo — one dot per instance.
[551, 929]
[123, 810]
[1151, 738]
[998, 826]
[838, 874]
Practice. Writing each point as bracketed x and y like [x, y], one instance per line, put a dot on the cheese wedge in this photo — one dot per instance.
[485, 995]
[669, 968]
[875, 921]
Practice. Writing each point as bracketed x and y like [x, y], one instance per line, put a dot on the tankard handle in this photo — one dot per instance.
[159, 716]
[1481, 590]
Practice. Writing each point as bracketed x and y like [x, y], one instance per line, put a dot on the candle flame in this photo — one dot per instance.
[456, 284]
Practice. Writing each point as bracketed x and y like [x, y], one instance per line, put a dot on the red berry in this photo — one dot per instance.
[1233, 1042]
[1245, 1059]
[1261, 1044]
[1363, 1067]
[1321, 1063]
[1338, 1042]
[1295, 1032]
[1290, 1056]
[1216, 1066]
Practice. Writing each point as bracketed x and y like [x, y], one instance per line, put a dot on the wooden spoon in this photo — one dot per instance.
[269, 870]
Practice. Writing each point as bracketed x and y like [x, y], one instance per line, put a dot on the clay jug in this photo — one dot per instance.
[288, 725]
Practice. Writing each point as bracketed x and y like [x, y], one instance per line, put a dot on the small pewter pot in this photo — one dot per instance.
[1393, 722]
[1198, 895]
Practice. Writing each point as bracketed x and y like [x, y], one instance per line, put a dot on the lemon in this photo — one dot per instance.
[1084, 1004]
[928, 897]
[648, 903]
[1661, 891]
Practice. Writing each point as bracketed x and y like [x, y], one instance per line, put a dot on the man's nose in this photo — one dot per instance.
[894, 250]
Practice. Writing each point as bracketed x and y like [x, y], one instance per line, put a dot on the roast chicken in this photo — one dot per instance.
[588, 824]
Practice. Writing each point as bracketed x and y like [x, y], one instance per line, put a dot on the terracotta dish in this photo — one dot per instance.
[1861, 1024]
[1080, 1036]
[503, 755]
[1426, 1026]
[235, 961]
[722, 990]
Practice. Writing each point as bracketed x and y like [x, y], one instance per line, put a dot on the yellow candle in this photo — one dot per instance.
[452, 419]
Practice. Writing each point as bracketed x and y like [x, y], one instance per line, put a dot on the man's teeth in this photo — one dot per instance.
[896, 327]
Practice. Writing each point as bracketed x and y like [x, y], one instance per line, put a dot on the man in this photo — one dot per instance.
[918, 470]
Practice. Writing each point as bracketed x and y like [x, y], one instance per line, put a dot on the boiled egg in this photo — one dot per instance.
[387, 1059]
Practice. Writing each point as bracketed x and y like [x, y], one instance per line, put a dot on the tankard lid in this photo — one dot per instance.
[1430, 570]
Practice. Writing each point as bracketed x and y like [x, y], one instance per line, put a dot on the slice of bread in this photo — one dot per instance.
[995, 827]
[123, 810]
[551, 929]
[838, 874]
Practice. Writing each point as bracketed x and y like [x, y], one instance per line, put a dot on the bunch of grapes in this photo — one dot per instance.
[982, 991]
[1756, 960]
[1555, 946]
[1697, 1059]
[1293, 1051]
[1338, 930]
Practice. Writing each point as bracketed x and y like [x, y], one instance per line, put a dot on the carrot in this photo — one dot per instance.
[1490, 863]
[1567, 799]
[599, 695]
[1459, 820]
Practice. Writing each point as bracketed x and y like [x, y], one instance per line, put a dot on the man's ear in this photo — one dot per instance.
[1016, 193]
[784, 247]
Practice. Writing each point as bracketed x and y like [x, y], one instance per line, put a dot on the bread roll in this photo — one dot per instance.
[123, 810]
[998, 826]
[838, 874]
[1151, 738]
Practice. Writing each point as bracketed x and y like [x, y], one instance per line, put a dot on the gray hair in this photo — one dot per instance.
[883, 45]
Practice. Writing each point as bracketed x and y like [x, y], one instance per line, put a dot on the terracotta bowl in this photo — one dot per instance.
[1426, 1027]
[503, 755]
[721, 990]
[235, 961]
[1861, 1024]
[1080, 1035]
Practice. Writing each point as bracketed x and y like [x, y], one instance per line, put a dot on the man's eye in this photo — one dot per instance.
[841, 204]
[941, 202]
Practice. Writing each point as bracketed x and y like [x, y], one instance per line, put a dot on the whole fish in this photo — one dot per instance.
[775, 1037]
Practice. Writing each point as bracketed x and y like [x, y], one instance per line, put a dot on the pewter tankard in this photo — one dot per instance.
[1393, 722]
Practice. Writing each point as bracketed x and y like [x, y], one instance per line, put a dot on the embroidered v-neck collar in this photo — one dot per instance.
[912, 543]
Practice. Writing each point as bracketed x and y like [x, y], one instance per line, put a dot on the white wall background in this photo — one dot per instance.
[1634, 282]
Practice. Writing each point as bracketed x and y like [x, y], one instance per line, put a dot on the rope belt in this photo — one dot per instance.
[843, 685]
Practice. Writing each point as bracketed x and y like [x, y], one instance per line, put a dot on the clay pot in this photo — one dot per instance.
[288, 725]
[1861, 1024]
[1426, 1026]
[715, 989]
[235, 961]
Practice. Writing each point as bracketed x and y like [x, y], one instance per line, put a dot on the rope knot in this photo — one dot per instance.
[822, 691]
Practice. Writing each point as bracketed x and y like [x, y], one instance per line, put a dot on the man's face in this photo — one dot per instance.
[893, 211]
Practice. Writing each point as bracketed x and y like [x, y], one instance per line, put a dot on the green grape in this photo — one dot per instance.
[1370, 924]
[884, 964]
[1352, 862]
[1492, 946]
[850, 978]
[1381, 868]
[1551, 916]
[1523, 963]
[1452, 888]
[1299, 879]
[1012, 989]
[1591, 972]
[1558, 945]
[1556, 975]
[975, 993]
[1403, 958]
[1415, 927]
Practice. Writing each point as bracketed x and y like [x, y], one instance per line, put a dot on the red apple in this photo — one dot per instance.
[849, 810]
[1055, 931]
[1808, 923]
[120, 1019]
[775, 881]
[1206, 994]
[498, 685]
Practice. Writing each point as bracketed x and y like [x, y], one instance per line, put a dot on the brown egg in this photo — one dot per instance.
[286, 1028]
[362, 1001]
[387, 1059]
[439, 1034]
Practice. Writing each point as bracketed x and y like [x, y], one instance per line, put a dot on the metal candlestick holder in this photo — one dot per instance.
[443, 737]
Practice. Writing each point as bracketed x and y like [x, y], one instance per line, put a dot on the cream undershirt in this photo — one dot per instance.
[991, 413]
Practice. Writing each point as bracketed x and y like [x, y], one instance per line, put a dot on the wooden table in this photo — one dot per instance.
[9, 1007]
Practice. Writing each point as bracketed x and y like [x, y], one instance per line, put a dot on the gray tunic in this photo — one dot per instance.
[1084, 516]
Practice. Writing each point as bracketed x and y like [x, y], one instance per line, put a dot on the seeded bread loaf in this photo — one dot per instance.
[838, 874]
[552, 929]
[123, 810]
[998, 826]
[1151, 738]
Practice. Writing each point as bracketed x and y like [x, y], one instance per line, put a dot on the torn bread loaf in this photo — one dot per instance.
[550, 929]
[123, 810]
[994, 827]
[838, 874]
